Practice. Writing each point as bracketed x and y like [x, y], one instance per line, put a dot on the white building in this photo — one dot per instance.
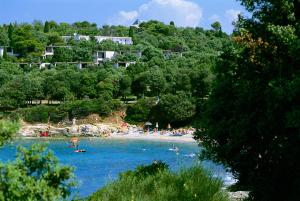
[1, 51]
[10, 52]
[124, 64]
[49, 51]
[120, 40]
[81, 37]
[44, 65]
[102, 56]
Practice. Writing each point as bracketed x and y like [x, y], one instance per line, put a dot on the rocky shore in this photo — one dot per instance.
[105, 130]
[96, 130]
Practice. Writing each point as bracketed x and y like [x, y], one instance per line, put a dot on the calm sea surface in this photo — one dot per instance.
[106, 158]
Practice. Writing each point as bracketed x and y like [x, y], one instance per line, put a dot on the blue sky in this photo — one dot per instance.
[183, 12]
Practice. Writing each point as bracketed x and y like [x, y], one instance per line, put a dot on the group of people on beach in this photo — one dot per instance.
[181, 131]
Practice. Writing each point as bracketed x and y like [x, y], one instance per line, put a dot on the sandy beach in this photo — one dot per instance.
[156, 137]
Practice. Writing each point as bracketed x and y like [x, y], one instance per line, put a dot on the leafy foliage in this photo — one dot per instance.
[167, 60]
[35, 175]
[156, 182]
[140, 111]
[252, 122]
[7, 130]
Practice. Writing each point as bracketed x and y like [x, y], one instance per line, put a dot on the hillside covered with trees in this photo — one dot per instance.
[170, 70]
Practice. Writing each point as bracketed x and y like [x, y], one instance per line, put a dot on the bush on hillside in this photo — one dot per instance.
[140, 111]
[83, 108]
[78, 109]
[41, 114]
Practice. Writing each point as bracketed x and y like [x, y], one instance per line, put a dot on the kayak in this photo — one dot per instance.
[80, 150]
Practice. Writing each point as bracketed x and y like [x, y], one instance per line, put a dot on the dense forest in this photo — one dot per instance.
[169, 72]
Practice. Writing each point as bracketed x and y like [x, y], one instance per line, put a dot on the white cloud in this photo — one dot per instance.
[232, 15]
[214, 18]
[128, 15]
[182, 12]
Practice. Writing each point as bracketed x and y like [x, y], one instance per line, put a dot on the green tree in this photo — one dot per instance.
[252, 123]
[140, 111]
[33, 88]
[156, 82]
[176, 108]
[12, 94]
[131, 32]
[46, 27]
[26, 43]
[7, 130]
[216, 26]
[54, 39]
[4, 40]
[35, 175]
[62, 54]
[125, 86]
[139, 84]
[10, 32]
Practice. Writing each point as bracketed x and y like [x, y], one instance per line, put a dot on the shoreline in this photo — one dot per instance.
[145, 137]
[155, 137]
[122, 131]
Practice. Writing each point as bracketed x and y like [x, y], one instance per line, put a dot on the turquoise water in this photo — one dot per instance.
[106, 158]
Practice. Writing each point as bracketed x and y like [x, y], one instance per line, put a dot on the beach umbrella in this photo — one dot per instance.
[148, 123]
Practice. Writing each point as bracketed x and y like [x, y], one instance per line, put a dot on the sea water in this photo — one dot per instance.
[104, 159]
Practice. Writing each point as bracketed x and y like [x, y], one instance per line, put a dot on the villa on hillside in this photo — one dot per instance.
[49, 51]
[102, 56]
[9, 51]
[120, 40]
[124, 64]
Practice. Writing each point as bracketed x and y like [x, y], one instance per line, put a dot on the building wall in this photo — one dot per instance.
[107, 55]
[1, 52]
[110, 54]
[121, 40]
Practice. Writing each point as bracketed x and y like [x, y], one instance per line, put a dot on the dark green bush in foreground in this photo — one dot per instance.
[157, 183]
[35, 175]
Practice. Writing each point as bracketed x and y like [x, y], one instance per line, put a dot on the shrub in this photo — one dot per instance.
[35, 175]
[80, 108]
[147, 170]
[7, 130]
[193, 184]
[83, 108]
[40, 113]
[36, 114]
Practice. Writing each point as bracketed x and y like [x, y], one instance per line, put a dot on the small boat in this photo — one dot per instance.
[80, 150]
[192, 155]
[174, 148]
